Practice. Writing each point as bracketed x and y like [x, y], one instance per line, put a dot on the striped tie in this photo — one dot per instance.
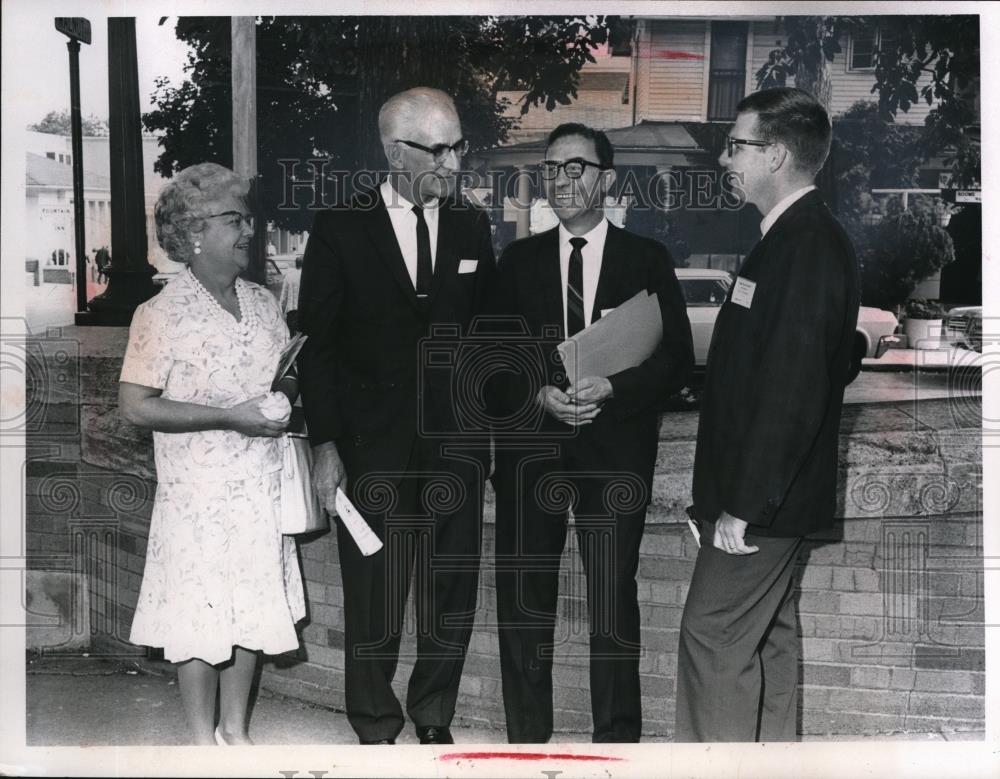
[575, 320]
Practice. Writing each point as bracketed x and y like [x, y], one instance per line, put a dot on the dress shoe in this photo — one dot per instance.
[379, 741]
[432, 734]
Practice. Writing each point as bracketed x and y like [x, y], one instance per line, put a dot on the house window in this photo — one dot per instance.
[50, 154]
[727, 69]
[865, 44]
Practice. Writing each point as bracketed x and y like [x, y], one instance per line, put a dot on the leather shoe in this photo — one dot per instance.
[379, 741]
[432, 734]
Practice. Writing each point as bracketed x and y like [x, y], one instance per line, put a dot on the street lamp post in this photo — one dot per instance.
[77, 29]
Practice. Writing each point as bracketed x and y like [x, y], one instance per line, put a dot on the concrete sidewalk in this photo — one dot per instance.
[942, 359]
[88, 701]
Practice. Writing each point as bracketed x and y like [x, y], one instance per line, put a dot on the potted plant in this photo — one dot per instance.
[923, 324]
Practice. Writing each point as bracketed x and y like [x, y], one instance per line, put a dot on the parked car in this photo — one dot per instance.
[963, 326]
[705, 291]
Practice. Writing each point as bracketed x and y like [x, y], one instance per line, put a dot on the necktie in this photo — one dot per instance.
[424, 270]
[575, 320]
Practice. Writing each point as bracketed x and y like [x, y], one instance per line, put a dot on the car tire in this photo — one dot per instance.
[859, 353]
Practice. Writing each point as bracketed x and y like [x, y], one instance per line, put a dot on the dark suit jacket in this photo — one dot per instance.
[625, 434]
[365, 381]
[770, 410]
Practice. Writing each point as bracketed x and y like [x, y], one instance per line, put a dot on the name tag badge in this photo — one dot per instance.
[743, 292]
[468, 266]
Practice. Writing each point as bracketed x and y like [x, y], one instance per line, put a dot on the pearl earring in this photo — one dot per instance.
[197, 247]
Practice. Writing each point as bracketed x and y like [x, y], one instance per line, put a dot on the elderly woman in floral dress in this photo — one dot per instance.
[221, 584]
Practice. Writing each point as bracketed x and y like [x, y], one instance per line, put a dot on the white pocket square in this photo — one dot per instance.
[606, 311]
[468, 266]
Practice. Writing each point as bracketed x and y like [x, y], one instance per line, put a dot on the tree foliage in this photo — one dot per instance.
[942, 51]
[321, 80]
[903, 249]
[58, 123]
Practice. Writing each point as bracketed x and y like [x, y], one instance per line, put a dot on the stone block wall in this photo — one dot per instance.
[890, 602]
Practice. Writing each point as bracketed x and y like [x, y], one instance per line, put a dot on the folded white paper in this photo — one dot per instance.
[363, 536]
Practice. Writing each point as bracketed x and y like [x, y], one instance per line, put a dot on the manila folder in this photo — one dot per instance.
[620, 340]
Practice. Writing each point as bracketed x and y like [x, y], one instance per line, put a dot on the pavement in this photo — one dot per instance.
[93, 701]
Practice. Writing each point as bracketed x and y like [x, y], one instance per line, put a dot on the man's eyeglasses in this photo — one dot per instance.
[439, 151]
[732, 143]
[573, 168]
[233, 218]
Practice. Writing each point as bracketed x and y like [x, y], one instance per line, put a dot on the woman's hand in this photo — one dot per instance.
[247, 419]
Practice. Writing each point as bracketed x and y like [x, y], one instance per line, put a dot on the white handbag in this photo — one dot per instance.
[301, 511]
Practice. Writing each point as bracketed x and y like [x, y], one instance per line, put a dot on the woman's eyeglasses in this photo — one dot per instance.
[233, 218]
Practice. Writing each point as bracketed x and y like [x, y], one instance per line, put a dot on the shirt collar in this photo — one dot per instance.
[772, 216]
[597, 233]
[392, 196]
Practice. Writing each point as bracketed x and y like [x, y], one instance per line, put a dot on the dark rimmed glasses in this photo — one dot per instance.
[732, 143]
[439, 151]
[573, 168]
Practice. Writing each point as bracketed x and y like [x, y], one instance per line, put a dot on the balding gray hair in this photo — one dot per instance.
[405, 110]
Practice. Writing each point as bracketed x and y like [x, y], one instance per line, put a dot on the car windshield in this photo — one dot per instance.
[704, 292]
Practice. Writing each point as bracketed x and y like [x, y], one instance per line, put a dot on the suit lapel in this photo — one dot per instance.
[609, 273]
[446, 257]
[550, 280]
[384, 237]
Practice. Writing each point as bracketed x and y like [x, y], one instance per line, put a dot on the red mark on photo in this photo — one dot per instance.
[527, 756]
[671, 54]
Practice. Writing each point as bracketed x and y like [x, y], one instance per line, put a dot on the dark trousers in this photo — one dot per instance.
[532, 504]
[737, 664]
[430, 523]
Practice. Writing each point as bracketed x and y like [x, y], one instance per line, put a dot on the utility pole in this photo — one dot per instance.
[243, 31]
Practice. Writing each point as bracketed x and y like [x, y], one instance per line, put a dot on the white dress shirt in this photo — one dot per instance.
[784, 205]
[404, 225]
[593, 254]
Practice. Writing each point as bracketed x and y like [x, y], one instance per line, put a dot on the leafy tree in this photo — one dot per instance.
[58, 123]
[944, 48]
[871, 152]
[321, 81]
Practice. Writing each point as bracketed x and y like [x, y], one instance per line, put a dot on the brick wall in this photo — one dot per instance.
[890, 601]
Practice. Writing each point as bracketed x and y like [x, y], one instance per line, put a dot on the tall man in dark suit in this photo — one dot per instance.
[405, 262]
[766, 461]
[592, 451]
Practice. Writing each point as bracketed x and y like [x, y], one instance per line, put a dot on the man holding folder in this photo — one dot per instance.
[593, 450]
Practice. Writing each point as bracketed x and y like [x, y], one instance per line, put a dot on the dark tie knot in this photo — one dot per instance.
[419, 212]
[578, 243]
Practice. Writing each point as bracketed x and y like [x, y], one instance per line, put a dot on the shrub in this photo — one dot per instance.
[902, 250]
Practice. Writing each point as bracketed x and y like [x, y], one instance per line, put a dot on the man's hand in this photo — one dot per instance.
[562, 407]
[729, 532]
[328, 474]
[591, 389]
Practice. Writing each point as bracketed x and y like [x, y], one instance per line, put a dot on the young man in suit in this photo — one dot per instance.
[406, 262]
[592, 448]
[765, 468]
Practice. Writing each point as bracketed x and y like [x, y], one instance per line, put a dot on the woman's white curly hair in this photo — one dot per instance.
[187, 199]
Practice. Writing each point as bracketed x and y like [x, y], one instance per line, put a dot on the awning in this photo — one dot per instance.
[647, 143]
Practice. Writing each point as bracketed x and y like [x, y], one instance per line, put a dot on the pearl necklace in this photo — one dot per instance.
[246, 328]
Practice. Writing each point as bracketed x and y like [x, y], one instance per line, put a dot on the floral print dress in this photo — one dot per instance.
[218, 571]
